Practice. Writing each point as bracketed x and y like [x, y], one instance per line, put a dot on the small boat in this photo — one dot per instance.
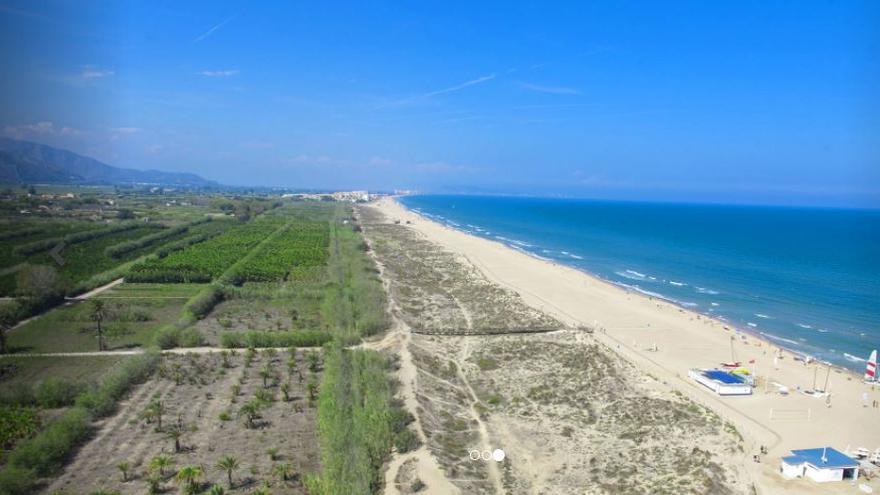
[871, 368]
[731, 364]
[862, 453]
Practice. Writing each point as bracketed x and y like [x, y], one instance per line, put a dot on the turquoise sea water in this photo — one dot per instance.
[806, 278]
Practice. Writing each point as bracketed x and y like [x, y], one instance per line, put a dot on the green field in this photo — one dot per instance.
[134, 312]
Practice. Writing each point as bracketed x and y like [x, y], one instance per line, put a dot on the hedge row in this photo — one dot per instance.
[123, 248]
[14, 234]
[73, 238]
[302, 338]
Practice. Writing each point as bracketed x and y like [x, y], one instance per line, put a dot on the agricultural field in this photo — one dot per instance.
[244, 421]
[208, 260]
[132, 313]
[84, 257]
[319, 418]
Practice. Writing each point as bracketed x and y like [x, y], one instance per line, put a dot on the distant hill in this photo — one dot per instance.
[27, 162]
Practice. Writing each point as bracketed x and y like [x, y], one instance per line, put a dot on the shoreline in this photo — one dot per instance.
[767, 338]
[665, 340]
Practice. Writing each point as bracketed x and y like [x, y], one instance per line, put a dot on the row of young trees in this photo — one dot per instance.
[123, 248]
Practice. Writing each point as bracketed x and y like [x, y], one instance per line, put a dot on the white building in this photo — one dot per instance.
[820, 465]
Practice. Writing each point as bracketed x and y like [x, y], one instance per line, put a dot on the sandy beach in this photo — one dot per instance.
[634, 325]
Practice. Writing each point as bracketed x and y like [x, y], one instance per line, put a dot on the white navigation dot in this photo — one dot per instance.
[498, 455]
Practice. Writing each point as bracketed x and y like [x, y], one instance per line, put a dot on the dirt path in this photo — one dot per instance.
[485, 439]
[398, 340]
[95, 292]
[72, 300]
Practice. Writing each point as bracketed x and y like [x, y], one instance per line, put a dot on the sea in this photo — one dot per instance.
[807, 279]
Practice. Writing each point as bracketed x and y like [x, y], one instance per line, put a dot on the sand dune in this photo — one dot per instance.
[632, 323]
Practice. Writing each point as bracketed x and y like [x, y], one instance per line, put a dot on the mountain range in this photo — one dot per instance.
[26, 162]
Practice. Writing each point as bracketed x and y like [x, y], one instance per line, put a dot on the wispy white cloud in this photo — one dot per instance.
[219, 73]
[556, 90]
[213, 29]
[439, 92]
[459, 87]
[44, 129]
[90, 72]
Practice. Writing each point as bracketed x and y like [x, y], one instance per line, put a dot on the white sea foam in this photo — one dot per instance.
[703, 290]
[714, 304]
[854, 359]
[780, 339]
[677, 284]
[753, 325]
[633, 275]
[521, 243]
[821, 330]
[576, 256]
[762, 315]
[804, 325]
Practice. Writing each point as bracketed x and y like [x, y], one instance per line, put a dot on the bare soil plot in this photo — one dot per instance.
[202, 399]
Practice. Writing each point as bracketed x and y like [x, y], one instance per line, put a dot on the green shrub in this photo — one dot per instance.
[46, 452]
[166, 337]
[406, 441]
[302, 338]
[202, 303]
[55, 392]
[16, 480]
[101, 401]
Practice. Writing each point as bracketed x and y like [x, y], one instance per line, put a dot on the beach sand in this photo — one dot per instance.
[631, 323]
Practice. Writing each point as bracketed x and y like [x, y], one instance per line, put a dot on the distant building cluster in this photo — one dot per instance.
[345, 196]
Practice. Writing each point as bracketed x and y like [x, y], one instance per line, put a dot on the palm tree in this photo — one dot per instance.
[189, 477]
[251, 411]
[175, 434]
[217, 490]
[156, 409]
[160, 463]
[97, 313]
[124, 467]
[285, 391]
[266, 373]
[283, 471]
[229, 464]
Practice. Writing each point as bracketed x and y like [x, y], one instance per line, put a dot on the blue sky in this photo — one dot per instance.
[756, 102]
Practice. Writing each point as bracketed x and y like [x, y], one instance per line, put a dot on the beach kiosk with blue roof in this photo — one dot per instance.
[721, 382]
[820, 465]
